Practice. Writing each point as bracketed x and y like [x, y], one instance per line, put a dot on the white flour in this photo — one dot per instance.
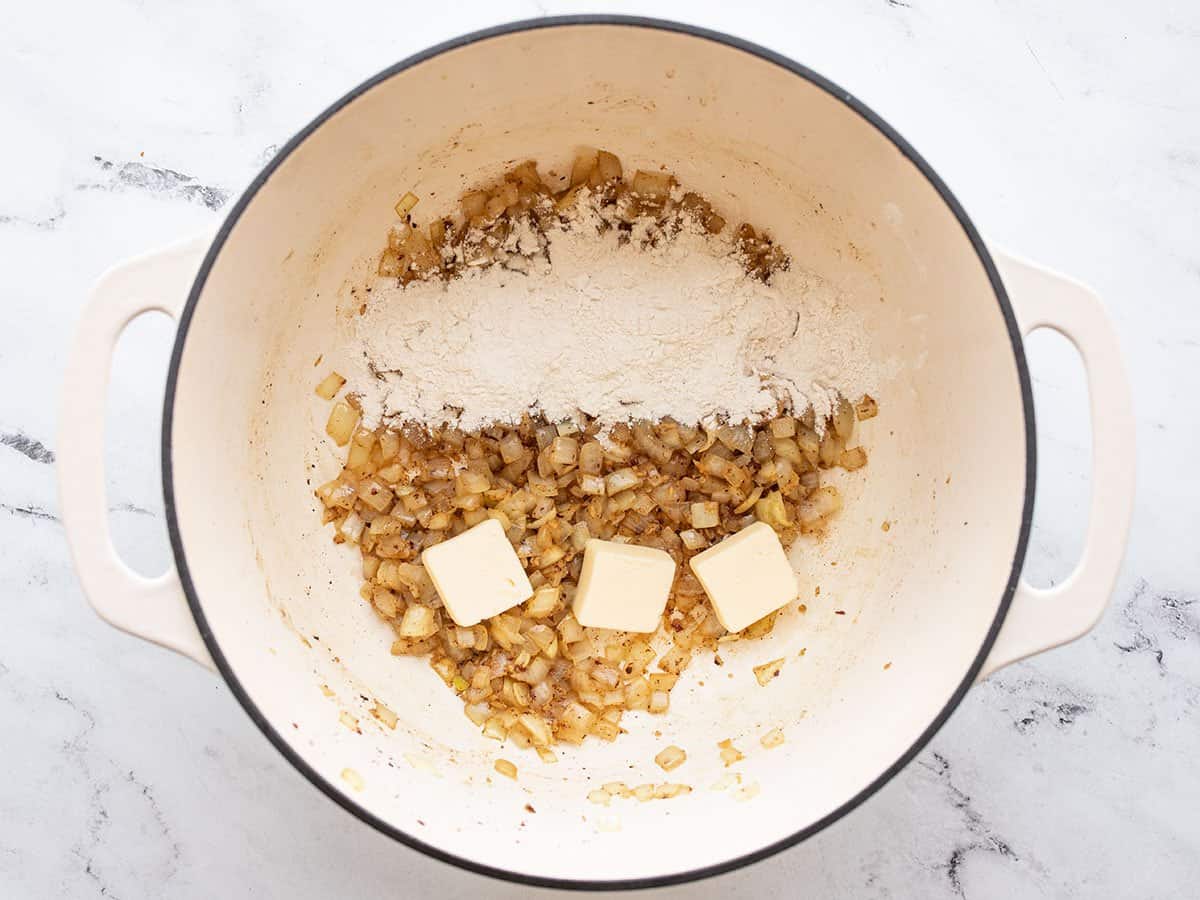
[618, 331]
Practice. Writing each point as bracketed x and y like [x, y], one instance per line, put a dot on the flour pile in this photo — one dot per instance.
[617, 324]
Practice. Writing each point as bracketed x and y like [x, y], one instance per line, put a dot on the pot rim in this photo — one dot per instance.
[294, 757]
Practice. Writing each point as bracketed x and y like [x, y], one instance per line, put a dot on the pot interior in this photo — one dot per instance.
[902, 613]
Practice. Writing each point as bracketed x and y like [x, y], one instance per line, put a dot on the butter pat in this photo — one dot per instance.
[746, 576]
[623, 586]
[477, 574]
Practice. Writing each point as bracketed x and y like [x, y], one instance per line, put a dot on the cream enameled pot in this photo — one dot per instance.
[260, 593]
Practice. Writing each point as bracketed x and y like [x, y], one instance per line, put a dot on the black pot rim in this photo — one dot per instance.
[282, 745]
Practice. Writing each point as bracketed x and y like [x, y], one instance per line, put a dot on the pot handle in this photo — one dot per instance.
[151, 608]
[1041, 619]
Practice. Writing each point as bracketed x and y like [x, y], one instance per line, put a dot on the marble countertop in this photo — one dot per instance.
[1071, 131]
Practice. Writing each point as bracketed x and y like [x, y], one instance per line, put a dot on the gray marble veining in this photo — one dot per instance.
[1069, 130]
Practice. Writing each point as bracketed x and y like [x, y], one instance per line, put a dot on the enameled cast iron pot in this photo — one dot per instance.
[257, 581]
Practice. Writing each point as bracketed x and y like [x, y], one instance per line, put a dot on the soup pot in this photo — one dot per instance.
[920, 587]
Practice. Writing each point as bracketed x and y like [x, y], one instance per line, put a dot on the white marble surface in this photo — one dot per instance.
[1070, 130]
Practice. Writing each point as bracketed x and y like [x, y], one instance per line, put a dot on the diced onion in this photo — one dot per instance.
[705, 515]
[643, 792]
[737, 438]
[866, 408]
[581, 169]
[342, 420]
[591, 458]
[843, 419]
[770, 509]
[831, 448]
[772, 738]
[352, 527]
[671, 758]
[539, 732]
[768, 670]
[592, 485]
[783, 427]
[543, 602]
[622, 480]
[729, 753]
[820, 504]
[608, 167]
[406, 203]
[854, 458]
[330, 385]
[418, 622]
[564, 451]
[809, 444]
[749, 502]
[655, 185]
